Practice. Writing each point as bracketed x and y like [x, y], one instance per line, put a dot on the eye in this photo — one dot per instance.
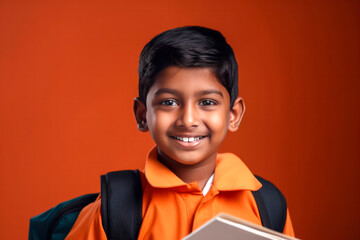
[169, 102]
[207, 102]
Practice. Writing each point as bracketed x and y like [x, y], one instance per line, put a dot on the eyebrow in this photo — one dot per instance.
[175, 92]
[167, 90]
[205, 92]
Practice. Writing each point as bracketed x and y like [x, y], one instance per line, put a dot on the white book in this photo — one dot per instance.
[226, 227]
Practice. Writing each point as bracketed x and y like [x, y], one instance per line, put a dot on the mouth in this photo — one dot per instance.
[188, 139]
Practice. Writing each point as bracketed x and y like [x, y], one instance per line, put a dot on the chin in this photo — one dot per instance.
[188, 162]
[191, 159]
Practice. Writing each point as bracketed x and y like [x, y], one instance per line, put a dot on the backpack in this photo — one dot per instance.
[121, 209]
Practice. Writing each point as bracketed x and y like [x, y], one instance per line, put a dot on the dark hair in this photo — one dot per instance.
[188, 47]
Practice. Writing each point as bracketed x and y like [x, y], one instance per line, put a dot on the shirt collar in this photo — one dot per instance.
[231, 174]
[158, 175]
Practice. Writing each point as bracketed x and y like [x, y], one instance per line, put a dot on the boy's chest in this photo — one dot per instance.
[173, 215]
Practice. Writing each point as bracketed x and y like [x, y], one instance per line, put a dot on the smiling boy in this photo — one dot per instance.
[188, 101]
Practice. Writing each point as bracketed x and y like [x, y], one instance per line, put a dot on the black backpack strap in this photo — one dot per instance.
[271, 204]
[121, 204]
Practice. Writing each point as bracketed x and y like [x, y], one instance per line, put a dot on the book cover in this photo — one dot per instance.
[227, 227]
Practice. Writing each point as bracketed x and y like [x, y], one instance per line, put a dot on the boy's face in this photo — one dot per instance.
[188, 114]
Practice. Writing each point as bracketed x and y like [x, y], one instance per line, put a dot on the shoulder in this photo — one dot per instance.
[89, 224]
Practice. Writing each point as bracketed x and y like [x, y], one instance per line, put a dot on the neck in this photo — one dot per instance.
[188, 173]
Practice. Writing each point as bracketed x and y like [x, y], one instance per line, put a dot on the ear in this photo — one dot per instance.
[140, 115]
[236, 114]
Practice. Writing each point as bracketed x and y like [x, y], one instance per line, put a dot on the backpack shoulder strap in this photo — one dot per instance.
[271, 204]
[121, 204]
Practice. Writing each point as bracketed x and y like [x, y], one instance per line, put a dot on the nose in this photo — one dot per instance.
[189, 116]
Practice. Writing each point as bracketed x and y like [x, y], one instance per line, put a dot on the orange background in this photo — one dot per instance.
[68, 75]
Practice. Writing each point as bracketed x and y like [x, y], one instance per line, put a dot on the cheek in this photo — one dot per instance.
[219, 121]
[158, 121]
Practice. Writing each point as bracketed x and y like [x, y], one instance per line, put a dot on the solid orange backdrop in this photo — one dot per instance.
[68, 76]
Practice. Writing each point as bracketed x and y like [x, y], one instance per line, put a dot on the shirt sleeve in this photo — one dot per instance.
[288, 229]
[88, 225]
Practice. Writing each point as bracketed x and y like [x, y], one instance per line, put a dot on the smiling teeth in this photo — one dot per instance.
[188, 139]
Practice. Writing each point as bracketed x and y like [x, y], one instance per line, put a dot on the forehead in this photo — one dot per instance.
[187, 81]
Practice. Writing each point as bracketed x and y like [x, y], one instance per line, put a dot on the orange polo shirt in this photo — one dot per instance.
[172, 209]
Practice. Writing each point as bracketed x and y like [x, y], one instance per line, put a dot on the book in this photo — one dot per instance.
[227, 227]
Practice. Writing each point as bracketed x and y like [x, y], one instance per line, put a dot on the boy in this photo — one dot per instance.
[188, 100]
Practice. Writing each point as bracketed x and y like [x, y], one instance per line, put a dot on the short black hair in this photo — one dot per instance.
[189, 47]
